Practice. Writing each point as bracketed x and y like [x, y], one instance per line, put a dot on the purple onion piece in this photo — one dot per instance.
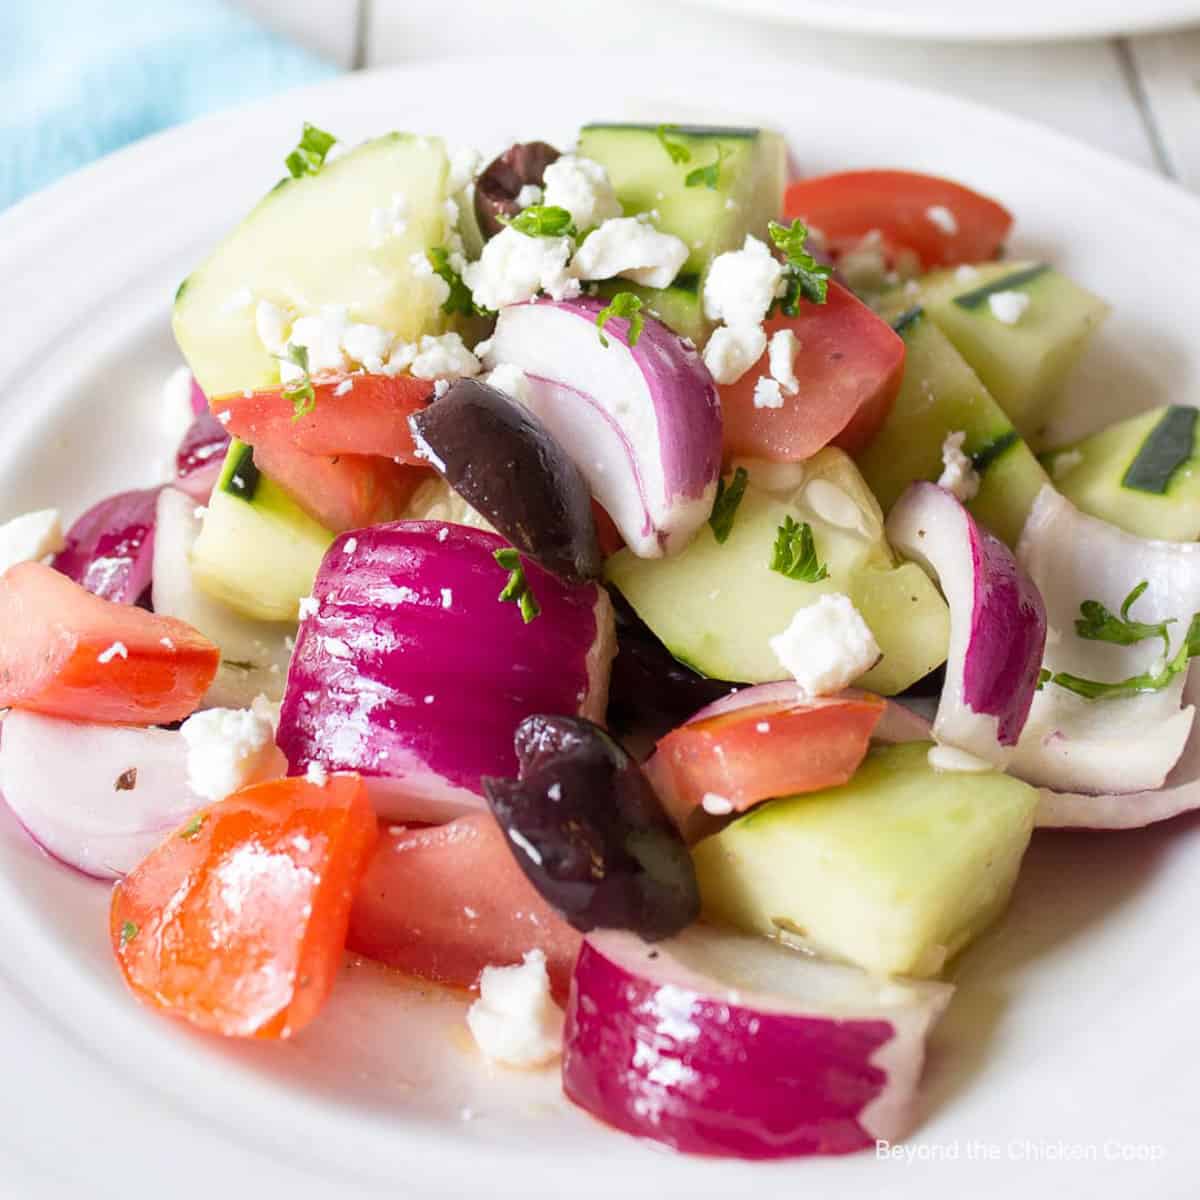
[199, 399]
[110, 549]
[200, 455]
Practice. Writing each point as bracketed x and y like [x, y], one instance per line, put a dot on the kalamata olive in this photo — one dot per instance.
[497, 187]
[649, 692]
[503, 462]
[590, 834]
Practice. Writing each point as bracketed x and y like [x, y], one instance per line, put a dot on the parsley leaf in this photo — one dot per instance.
[676, 149]
[544, 220]
[804, 277]
[300, 391]
[1044, 678]
[795, 553]
[128, 932]
[516, 589]
[627, 305]
[725, 506]
[309, 155]
[192, 829]
[708, 176]
[1097, 624]
[460, 299]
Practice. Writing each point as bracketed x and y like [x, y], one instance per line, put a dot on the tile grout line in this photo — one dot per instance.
[362, 24]
[1141, 101]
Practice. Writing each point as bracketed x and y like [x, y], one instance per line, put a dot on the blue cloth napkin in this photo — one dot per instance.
[80, 78]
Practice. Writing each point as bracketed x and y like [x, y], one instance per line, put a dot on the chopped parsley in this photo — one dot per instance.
[708, 176]
[795, 552]
[1096, 624]
[309, 155]
[460, 299]
[544, 220]
[191, 830]
[1044, 678]
[628, 306]
[804, 277]
[300, 391]
[516, 590]
[675, 147]
[128, 932]
[725, 506]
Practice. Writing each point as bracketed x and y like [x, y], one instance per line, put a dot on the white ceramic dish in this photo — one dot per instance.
[974, 20]
[1074, 1030]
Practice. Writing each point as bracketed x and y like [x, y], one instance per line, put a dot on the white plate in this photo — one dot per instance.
[974, 20]
[1074, 1031]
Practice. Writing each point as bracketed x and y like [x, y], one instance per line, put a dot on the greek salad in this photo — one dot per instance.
[626, 584]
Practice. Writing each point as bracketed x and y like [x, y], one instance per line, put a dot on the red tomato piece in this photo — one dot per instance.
[849, 364]
[765, 750]
[964, 227]
[370, 418]
[67, 653]
[447, 901]
[343, 491]
[607, 534]
[237, 922]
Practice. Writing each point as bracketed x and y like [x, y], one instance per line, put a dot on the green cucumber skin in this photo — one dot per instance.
[700, 132]
[1170, 444]
[991, 453]
[241, 477]
[908, 320]
[1009, 283]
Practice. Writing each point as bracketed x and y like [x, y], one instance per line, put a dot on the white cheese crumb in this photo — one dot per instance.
[732, 350]
[582, 187]
[942, 219]
[444, 357]
[30, 538]
[337, 647]
[349, 546]
[316, 773]
[742, 284]
[632, 249]
[965, 273]
[228, 749]
[514, 267]
[716, 805]
[309, 606]
[515, 1021]
[763, 727]
[271, 323]
[447, 597]
[1063, 464]
[430, 699]
[440, 388]
[958, 476]
[344, 387]
[826, 646]
[782, 358]
[554, 791]
[368, 345]
[511, 380]
[1008, 307]
[767, 393]
[529, 194]
[388, 221]
[225, 415]
[116, 650]
[443, 533]
[950, 758]
[166, 641]
[464, 166]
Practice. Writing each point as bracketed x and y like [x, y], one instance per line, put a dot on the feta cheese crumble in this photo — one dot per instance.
[716, 805]
[515, 1022]
[731, 352]
[444, 357]
[228, 749]
[309, 607]
[529, 194]
[965, 273]
[447, 597]
[742, 284]
[1008, 307]
[271, 324]
[315, 773]
[950, 758]
[767, 393]
[582, 187]
[30, 538]
[514, 267]
[464, 166]
[509, 379]
[826, 646]
[781, 355]
[958, 476]
[632, 249]
[1062, 465]
[388, 221]
[941, 218]
[116, 650]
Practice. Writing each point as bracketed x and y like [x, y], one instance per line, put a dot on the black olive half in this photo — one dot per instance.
[497, 187]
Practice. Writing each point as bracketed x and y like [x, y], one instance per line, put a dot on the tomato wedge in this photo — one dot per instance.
[447, 901]
[941, 222]
[353, 414]
[849, 364]
[68, 653]
[754, 753]
[237, 922]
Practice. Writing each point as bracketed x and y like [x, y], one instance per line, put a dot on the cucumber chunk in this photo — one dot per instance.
[750, 175]
[897, 870]
[257, 551]
[678, 307]
[312, 242]
[716, 605]
[1022, 365]
[942, 395]
[1142, 474]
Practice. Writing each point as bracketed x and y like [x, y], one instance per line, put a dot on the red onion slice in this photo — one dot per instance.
[200, 455]
[110, 549]
[718, 1043]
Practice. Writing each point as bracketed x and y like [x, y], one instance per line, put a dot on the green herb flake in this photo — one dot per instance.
[674, 146]
[725, 506]
[795, 553]
[804, 277]
[544, 220]
[309, 155]
[516, 590]
[1096, 624]
[708, 176]
[191, 830]
[1044, 678]
[460, 300]
[627, 306]
[128, 932]
[300, 391]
